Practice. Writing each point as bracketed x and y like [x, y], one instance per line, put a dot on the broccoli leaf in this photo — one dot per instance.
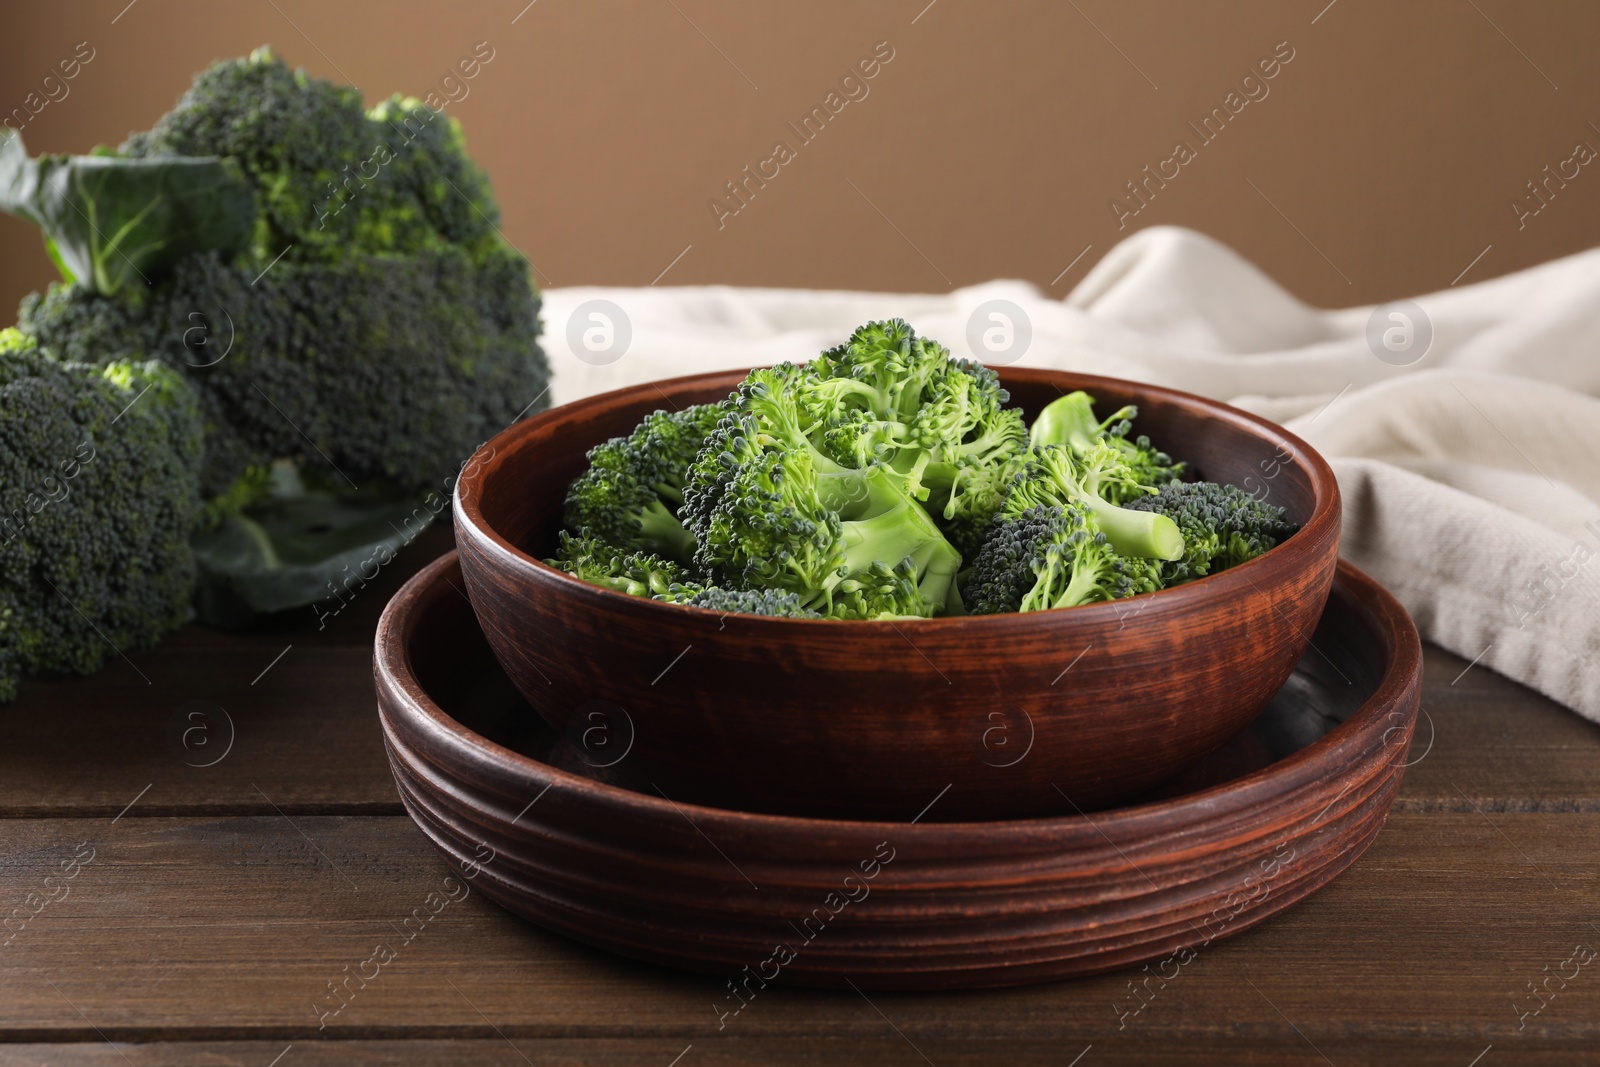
[297, 546]
[109, 220]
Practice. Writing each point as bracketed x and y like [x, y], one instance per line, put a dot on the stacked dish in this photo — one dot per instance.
[754, 795]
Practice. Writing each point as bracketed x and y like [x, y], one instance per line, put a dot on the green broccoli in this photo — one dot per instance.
[330, 176]
[768, 510]
[98, 495]
[631, 492]
[593, 560]
[378, 367]
[854, 486]
[1052, 557]
[887, 395]
[1222, 526]
[1069, 421]
[740, 601]
[1054, 477]
[378, 327]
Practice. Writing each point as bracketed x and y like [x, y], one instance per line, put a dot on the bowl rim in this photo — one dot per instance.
[467, 511]
[1368, 727]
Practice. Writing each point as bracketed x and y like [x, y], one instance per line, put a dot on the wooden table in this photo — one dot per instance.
[197, 914]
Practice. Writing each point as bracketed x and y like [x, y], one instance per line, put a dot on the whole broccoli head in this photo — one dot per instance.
[1222, 526]
[1069, 422]
[1052, 557]
[1055, 477]
[98, 495]
[768, 510]
[329, 175]
[631, 492]
[379, 327]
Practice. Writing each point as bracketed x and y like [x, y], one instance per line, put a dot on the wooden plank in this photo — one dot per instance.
[234, 928]
[811, 1051]
[1496, 745]
[297, 700]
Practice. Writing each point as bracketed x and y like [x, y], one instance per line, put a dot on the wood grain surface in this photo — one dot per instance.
[232, 928]
[208, 923]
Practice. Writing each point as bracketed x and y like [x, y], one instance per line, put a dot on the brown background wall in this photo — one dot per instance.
[1383, 161]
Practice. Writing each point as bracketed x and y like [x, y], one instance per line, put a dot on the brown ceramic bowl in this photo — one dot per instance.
[1275, 814]
[998, 716]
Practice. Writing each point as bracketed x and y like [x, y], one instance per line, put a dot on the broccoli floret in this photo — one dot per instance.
[769, 511]
[1052, 557]
[1070, 422]
[329, 176]
[631, 492]
[98, 495]
[1222, 526]
[379, 326]
[975, 495]
[1053, 477]
[887, 395]
[740, 601]
[593, 560]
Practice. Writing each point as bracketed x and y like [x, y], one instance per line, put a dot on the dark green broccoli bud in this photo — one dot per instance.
[329, 177]
[1222, 526]
[391, 368]
[740, 601]
[1054, 477]
[1052, 557]
[631, 492]
[98, 496]
[1070, 422]
[593, 560]
[769, 511]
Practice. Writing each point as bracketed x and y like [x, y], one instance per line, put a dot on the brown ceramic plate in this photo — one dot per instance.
[1281, 810]
[869, 719]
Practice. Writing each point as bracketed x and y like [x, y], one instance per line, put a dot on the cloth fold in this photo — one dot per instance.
[1471, 475]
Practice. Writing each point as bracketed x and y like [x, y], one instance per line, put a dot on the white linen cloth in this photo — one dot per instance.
[1471, 478]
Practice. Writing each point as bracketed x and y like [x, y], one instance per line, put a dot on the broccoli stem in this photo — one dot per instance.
[887, 526]
[1131, 535]
[1128, 531]
[662, 526]
[1085, 580]
[1069, 421]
